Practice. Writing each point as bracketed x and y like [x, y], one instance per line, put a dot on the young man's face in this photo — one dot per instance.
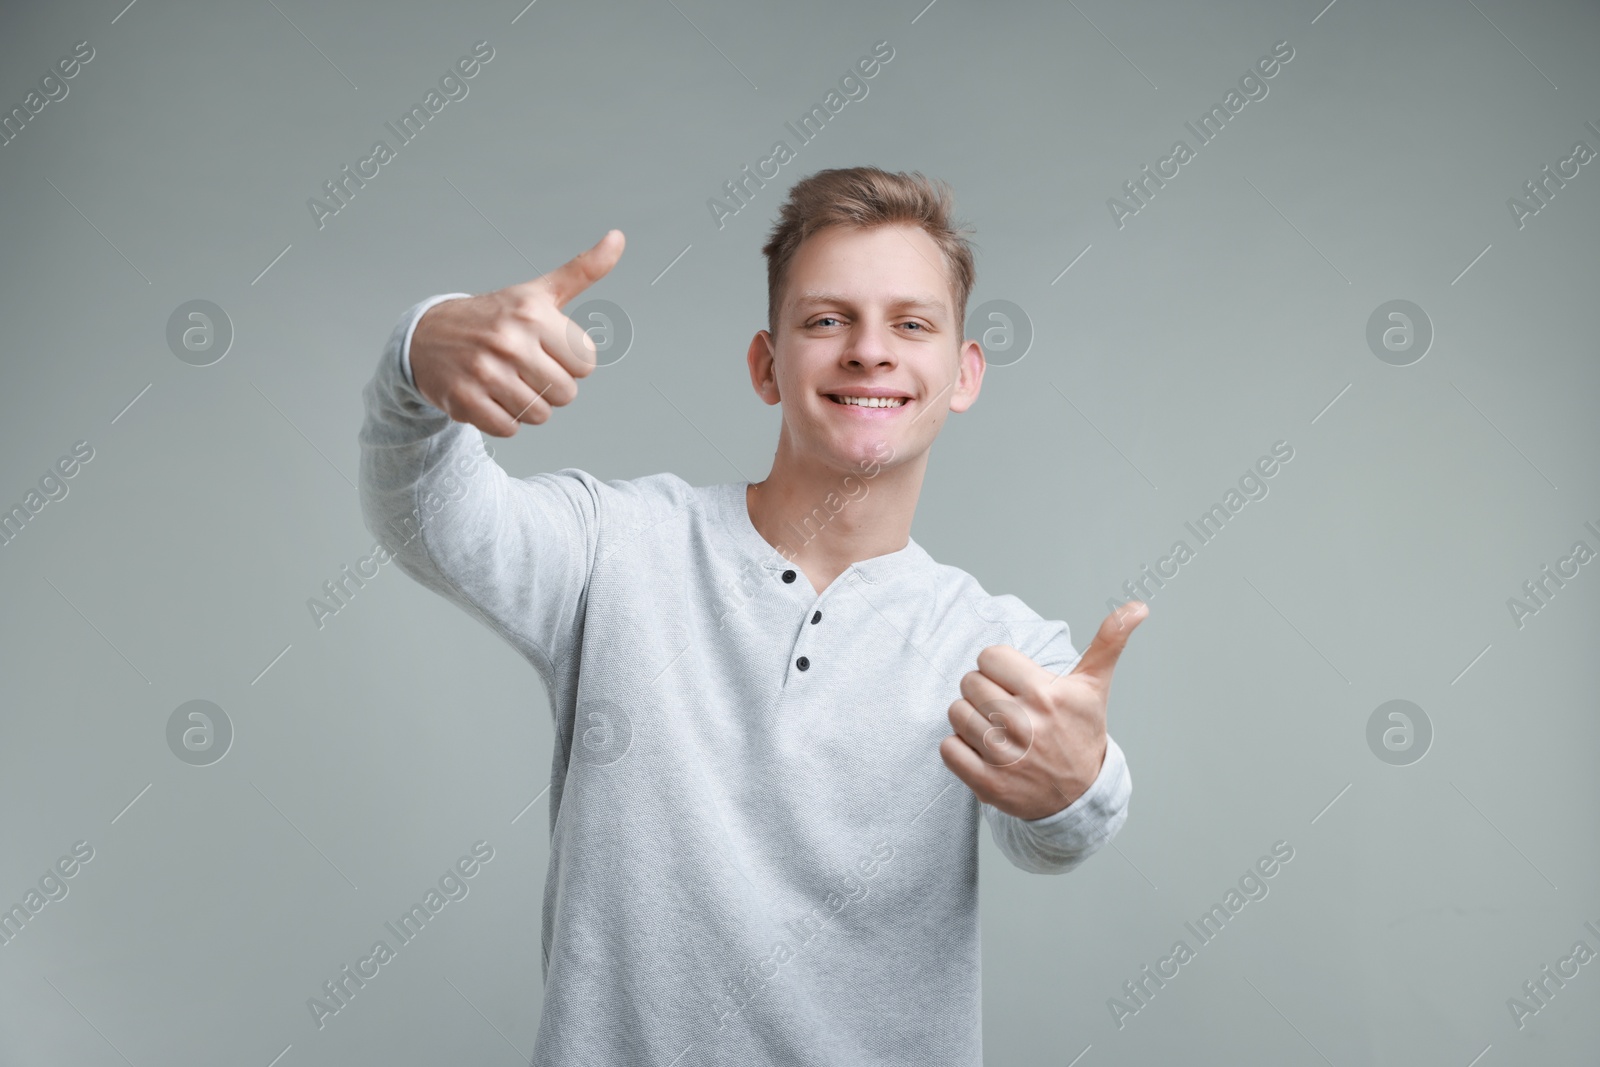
[865, 311]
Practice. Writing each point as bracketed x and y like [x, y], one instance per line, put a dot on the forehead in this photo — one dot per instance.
[892, 263]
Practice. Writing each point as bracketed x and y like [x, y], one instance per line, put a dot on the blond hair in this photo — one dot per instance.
[862, 197]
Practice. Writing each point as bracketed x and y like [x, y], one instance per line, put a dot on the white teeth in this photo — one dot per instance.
[871, 401]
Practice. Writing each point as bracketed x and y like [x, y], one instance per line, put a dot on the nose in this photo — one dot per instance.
[869, 346]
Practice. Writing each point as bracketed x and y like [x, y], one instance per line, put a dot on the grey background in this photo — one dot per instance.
[1230, 313]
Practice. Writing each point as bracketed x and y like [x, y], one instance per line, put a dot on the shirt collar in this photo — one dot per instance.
[731, 507]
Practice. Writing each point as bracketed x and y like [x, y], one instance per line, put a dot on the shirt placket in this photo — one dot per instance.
[801, 659]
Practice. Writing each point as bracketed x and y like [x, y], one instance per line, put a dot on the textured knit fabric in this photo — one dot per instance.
[757, 855]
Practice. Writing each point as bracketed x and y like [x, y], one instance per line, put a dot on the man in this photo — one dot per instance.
[777, 717]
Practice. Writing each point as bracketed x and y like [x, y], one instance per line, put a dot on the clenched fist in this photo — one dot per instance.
[510, 356]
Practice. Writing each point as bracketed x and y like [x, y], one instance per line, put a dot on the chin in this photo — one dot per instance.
[869, 455]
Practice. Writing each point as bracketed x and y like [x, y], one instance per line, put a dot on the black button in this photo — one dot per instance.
[802, 663]
[788, 576]
[816, 616]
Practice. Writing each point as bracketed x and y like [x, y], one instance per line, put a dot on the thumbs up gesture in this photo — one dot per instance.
[1027, 740]
[510, 356]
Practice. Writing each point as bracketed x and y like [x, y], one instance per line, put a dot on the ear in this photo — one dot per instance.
[763, 376]
[969, 379]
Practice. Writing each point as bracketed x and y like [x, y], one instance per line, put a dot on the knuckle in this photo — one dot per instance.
[481, 365]
[526, 306]
[562, 391]
[507, 335]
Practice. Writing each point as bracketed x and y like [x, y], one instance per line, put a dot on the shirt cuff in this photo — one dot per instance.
[417, 311]
[1094, 817]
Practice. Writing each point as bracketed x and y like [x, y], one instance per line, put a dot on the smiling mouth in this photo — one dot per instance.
[868, 401]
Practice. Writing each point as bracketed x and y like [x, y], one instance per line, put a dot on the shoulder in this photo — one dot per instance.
[626, 495]
[1047, 642]
[655, 509]
[622, 506]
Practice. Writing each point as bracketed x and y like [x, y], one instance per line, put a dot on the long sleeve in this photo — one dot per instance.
[1057, 843]
[513, 552]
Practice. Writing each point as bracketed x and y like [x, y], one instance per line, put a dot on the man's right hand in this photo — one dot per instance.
[509, 356]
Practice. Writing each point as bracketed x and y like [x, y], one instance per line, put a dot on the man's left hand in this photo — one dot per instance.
[1028, 741]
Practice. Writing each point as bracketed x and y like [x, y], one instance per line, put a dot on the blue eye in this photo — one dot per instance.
[830, 318]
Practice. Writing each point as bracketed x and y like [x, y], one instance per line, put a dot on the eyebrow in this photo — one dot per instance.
[814, 296]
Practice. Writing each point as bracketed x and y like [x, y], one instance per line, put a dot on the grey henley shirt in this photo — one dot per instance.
[757, 855]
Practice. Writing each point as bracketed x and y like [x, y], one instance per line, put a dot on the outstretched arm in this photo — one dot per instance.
[513, 552]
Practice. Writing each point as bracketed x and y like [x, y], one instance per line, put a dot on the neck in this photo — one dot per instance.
[824, 518]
